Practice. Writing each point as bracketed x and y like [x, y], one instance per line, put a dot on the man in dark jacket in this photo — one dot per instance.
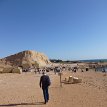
[45, 83]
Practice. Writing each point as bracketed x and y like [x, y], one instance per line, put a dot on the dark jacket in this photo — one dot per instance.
[44, 81]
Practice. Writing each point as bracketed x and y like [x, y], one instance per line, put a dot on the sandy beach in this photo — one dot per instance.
[22, 90]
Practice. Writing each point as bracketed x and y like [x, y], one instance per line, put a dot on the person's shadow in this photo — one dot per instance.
[36, 103]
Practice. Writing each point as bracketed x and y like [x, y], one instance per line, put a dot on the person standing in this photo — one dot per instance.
[45, 83]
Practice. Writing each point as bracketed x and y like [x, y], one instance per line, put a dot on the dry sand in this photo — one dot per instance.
[22, 90]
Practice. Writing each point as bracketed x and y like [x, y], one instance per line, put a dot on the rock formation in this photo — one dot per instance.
[27, 59]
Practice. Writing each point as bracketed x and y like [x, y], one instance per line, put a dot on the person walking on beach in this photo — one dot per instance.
[45, 83]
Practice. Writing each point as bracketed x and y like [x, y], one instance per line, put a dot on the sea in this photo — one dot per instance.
[94, 60]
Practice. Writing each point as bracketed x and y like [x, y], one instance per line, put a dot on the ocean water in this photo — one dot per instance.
[94, 60]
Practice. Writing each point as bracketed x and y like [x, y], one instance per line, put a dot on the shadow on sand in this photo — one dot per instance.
[37, 103]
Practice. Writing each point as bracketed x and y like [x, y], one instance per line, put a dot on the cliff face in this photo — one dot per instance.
[27, 59]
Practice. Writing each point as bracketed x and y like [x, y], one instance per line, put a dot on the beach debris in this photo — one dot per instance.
[76, 80]
[17, 70]
[72, 80]
[11, 70]
[7, 70]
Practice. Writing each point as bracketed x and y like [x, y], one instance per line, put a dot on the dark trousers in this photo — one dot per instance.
[46, 94]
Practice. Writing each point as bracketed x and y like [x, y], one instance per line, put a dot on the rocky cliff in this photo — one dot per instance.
[27, 59]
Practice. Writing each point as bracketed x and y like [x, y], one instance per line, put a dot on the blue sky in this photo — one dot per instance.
[61, 29]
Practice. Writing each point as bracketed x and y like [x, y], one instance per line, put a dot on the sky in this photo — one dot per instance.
[61, 29]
